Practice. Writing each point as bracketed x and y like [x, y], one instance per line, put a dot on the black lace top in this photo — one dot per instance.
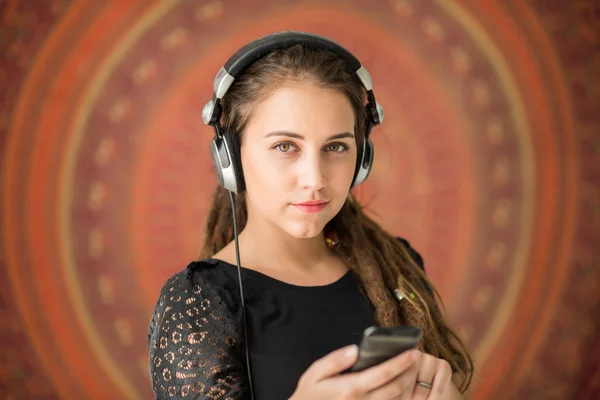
[195, 338]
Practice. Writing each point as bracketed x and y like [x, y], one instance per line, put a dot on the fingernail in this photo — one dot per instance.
[351, 351]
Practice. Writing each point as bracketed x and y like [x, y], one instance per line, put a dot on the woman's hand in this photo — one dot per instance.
[392, 379]
[436, 373]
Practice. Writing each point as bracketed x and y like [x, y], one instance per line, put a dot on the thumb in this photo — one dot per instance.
[333, 363]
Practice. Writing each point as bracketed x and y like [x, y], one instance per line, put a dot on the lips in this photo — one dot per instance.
[311, 206]
[311, 203]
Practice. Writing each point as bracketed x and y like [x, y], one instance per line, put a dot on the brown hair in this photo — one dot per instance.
[380, 261]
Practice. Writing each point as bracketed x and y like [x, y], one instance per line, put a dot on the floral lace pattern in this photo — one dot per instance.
[195, 351]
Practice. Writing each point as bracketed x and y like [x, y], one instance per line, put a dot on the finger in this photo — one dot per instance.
[421, 392]
[399, 388]
[427, 369]
[441, 380]
[377, 376]
[332, 364]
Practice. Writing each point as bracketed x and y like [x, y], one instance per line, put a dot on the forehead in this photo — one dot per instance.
[305, 109]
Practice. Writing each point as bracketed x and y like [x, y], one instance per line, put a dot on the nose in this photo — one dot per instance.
[311, 173]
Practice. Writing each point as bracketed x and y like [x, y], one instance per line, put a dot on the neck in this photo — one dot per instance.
[265, 244]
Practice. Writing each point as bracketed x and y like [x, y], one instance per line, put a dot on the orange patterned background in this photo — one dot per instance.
[488, 162]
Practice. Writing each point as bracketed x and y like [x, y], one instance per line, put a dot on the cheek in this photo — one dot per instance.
[263, 179]
[341, 173]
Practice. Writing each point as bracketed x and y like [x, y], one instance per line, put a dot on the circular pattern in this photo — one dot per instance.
[476, 165]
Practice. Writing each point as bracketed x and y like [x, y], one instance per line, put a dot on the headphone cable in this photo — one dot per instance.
[239, 268]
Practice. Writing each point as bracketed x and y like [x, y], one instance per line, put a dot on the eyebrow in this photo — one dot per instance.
[342, 135]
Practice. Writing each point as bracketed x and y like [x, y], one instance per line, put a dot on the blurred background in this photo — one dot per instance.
[488, 162]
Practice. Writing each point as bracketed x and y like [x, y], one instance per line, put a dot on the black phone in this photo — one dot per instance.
[380, 344]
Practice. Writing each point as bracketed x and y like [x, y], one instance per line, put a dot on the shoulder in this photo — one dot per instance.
[193, 280]
[190, 294]
[415, 255]
[206, 275]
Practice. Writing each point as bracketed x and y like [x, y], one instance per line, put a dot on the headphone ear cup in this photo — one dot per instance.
[218, 162]
[225, 152]
[364, 163]
[233, 141]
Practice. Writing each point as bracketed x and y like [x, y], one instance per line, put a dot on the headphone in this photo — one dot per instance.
[225, 149]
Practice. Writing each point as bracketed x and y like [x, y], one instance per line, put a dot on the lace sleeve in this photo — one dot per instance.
[193, 344]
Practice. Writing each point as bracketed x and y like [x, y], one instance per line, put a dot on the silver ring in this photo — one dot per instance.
[424, 384]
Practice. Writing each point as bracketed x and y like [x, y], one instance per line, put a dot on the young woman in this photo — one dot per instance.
[316, 269]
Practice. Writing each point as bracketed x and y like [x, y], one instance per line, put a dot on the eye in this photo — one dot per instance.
[337, 147]
[283, 147]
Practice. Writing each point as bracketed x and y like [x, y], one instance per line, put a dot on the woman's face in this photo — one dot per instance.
[299, 147]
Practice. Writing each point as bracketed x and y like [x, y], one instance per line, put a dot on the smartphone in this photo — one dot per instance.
[380, 344]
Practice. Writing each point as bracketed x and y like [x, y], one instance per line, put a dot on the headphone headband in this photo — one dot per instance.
[257, 49]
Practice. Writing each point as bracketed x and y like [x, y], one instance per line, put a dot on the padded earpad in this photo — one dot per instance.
[216, 154]
[364, 163]
[233, 141]
[225, 153]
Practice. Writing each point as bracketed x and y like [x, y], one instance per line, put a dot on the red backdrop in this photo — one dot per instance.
[488, 162]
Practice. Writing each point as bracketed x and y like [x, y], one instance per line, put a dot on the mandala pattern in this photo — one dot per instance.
[488, 162]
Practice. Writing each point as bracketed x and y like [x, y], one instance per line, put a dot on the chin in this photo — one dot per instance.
[304, 229]
[307, 226]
